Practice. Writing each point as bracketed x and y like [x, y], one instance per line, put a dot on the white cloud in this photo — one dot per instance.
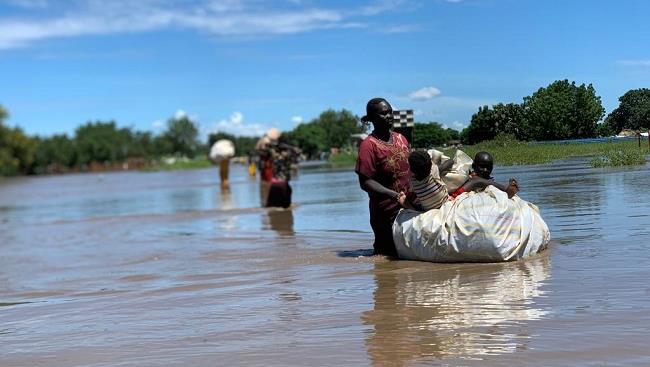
[424, 94]
[380, 7]
[180, 114]
[457, 125]
[30, 4]
[297, 120]
[236, 118]
[235, 125]
[158, 125]
[643, 63]
[401, 28]
[218, 18]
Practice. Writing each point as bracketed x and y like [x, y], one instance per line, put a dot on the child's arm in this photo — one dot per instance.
[477, 183]
[405, 203]
[445, 167]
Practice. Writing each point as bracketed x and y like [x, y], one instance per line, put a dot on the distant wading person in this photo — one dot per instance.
[278, 157]
[383, 170]
[220, 153]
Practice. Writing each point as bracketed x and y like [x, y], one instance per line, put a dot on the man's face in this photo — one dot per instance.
[384, 115]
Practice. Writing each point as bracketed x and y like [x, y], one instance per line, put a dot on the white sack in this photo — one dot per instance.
[475, 227]
[222, 149]
[459, 172]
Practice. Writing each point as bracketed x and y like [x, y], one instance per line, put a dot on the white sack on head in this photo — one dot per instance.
[222, 149]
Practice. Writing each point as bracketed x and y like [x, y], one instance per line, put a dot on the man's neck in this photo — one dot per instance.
[382, 134]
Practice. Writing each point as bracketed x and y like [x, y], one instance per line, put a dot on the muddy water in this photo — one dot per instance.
[163, 269]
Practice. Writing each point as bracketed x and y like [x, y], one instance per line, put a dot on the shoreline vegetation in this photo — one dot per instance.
[540, 129]
[506, 152]
[509, 152]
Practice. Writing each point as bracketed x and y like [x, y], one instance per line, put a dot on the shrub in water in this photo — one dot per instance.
[620, 157]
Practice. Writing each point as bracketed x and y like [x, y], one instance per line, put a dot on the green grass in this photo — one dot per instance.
[508, 152]
[623, 156]
[614, 153]
[344, 159]
[173, 163]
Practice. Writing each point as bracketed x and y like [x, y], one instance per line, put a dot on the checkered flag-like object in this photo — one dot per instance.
[403, 118]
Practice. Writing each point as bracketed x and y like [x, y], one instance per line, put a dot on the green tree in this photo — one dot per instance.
[16, 149]
[633, 111]
[3, 115]
[181, 136]
[54, 154]
[311, 138]
[488, 122]
[563, 110]
[338, 126]
[142, 145]
[604, 129]
[483, 126]
[102, 142]
[331, 129]
[429, 135]
[453, 134]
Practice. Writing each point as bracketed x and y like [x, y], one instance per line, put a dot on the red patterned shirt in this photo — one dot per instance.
[386, 163]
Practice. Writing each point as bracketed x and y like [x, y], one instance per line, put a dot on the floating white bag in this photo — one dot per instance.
[475, 227]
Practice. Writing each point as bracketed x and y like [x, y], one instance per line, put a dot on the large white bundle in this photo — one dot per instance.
[475, 227]
[459, 172]
[222, 149]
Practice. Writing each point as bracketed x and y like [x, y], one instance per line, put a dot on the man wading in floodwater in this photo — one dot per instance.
[383, 170]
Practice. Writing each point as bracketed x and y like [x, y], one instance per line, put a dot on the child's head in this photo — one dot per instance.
[420, 164]
[483, 164]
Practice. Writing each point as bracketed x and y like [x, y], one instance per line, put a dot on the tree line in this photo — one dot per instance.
[560, 111]
[104, 144]
[94, 143]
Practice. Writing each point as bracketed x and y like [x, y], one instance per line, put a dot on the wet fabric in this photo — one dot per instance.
[475, 227]
[282, 158]
[386, 163]
[279, 195]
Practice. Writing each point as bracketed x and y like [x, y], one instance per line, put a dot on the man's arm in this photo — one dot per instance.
[371, 186]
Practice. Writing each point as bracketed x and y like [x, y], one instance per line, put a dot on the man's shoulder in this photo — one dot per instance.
[367, 143]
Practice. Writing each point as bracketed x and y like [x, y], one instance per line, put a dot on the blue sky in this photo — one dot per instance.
[243, 66]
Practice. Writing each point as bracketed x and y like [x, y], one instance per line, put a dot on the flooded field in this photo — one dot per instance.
[163, 269]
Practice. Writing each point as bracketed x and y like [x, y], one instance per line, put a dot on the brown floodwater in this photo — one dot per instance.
[164, 269]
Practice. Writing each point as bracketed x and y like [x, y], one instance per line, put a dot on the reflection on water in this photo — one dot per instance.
[465, 310]
[280, 220]
[225, 202]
